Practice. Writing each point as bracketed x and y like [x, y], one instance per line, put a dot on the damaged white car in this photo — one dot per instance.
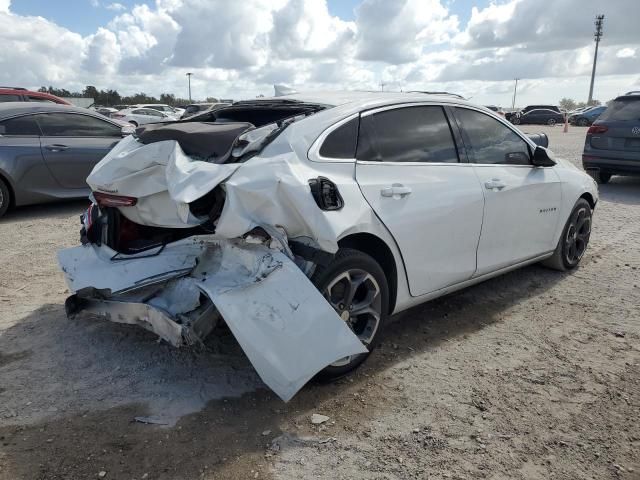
[304, 221]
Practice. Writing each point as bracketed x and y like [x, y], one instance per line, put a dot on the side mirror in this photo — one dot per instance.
[127, 130]
[542, 157]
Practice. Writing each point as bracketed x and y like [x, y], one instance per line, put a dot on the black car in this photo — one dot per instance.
[612, 145]
[528, 108]
[538, 116]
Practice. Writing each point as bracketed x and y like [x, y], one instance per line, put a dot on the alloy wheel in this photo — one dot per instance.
[356, 297]
[577, 237]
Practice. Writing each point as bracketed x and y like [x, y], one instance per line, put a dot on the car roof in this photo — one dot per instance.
[10, 109]
[339, 98]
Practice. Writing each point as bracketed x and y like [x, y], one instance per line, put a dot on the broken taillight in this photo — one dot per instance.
[326, 194]
[109, 200]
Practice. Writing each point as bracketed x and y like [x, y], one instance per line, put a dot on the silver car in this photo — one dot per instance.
[47, 151]
[141, 116]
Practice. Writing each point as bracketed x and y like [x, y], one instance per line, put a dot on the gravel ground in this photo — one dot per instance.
[532, 375]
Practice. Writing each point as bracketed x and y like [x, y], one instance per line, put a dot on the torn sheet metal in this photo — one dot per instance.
[287, 329]
[270, 189]
[100, 267]
[162, 178]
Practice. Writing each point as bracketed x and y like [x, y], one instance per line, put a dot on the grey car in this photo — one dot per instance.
[612, 146]
[47, 151]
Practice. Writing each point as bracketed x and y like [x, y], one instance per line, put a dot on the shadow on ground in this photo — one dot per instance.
[48, 210]
[75, 387]
[625, 190]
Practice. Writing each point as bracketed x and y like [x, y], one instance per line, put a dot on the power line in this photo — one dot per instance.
[597, 35]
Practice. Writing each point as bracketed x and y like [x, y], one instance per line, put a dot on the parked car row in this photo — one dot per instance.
[47, 150]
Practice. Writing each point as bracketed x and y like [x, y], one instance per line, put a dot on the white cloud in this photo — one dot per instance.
[626, 53]
[397, 32]
[239, 49]
[116, 7]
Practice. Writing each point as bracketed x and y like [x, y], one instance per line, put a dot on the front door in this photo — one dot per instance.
[73, 143]
[409, 171]
[522, 202]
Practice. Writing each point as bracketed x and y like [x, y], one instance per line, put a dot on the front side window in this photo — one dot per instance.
[75, 125]
[408, 134]
[33, 98]
[490, 141]
[24, 126]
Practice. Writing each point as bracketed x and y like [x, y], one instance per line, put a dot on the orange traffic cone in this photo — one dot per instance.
[566, 124]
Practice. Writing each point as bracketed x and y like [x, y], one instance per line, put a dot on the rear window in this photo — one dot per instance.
[341, 143]
[622, 110]
[9, 98]
[20, 126]
[407, 134]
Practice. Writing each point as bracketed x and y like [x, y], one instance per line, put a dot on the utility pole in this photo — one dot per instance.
[515, 90]
[189, 80]
[597, 35]
[382, 84]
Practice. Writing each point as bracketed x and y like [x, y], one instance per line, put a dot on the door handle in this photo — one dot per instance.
[56, 147]
[396, 190]
[495, 184]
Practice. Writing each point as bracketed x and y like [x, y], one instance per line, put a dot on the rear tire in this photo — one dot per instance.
[515, 121]
[5, 198]
[551, 122]
[574, 239]
[599, 176]
[355, 285]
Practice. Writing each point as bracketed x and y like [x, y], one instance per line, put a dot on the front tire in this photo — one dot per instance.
[356, 287]
[583, 122]
[516, 121]
[551, 122]
[5, 198]
[574, 239]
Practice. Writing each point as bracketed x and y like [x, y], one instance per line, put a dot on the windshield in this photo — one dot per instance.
[623, 110]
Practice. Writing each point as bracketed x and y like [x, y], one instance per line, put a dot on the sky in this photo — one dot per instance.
[240, 49]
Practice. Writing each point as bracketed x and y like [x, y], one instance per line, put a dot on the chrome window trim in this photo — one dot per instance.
[314, 151]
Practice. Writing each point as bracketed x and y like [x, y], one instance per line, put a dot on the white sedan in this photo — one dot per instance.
[141, 116]
[305, 221]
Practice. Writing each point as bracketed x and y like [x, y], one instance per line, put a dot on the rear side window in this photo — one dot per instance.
[9, 98]
[490, 141]
[341, 143]
[20, 126]
[622, 110]
[74, 125]
[408, 134]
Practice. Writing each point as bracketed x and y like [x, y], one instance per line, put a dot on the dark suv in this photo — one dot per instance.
[612, 146]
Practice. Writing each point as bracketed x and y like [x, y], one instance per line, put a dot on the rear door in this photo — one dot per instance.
[72, 143]
[522, 202]
[21, 158]
[409, 171]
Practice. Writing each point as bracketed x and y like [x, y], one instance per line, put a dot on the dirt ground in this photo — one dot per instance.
[533, 375]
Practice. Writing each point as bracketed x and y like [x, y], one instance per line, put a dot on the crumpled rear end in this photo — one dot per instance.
[287, 329]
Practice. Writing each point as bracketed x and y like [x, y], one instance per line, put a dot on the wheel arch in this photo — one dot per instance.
[377, 249]
[589, 198]
[12, 193]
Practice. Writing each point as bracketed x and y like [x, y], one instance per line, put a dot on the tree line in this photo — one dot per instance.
[570, 104]
[109, 98]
